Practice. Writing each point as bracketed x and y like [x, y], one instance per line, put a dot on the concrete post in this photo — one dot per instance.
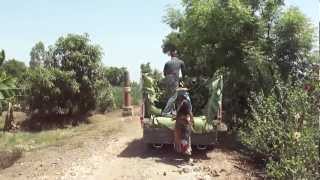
[127, 109]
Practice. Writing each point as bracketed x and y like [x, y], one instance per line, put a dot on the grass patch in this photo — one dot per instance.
[12, 145]
[27, 141]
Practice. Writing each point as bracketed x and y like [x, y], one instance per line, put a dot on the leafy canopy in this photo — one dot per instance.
[67, 81]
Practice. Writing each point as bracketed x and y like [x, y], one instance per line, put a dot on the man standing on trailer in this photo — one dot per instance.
[171, 72]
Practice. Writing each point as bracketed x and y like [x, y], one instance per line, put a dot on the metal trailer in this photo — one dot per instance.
[157, 137]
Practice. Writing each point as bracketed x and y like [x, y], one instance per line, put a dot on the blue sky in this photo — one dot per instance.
[130, 32]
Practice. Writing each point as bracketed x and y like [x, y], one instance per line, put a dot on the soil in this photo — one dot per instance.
[113, 155]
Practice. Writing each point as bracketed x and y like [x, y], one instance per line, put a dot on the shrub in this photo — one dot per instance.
[69, 81]
[115, 75]
[136, 93]
[51, 91]
[117, 93]
[105, 99]
[76, 54]
[282, 128]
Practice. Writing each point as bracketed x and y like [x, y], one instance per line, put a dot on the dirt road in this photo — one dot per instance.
[106, 153]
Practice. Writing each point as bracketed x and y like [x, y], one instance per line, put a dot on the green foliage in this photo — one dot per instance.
[315, 57]
[2, 57]
[282, 127]
[247, 38]
[115, 75]
[155, 74]
[8, 90]
[153, 86]
[14, 68]
[52, 91]
[75, 54]
[105, 99]
[259, 45]
[7, 85]
[294, 36]
[38, 55]
[15, 72]
[136, 93]
[153, 96]
[70, 80]
[173, 18]
[117, 93]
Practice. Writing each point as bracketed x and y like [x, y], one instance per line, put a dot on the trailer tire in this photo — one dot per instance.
[201, 147]
[157, 146]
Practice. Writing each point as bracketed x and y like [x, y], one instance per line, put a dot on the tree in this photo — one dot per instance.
[217, 34]
[2, 56]
[67, 83]
[294, 37]
[51, 91]
[75, 53]
[243, 37]
[260, 49]
[115, 75]
[37, 55]
[14, 68]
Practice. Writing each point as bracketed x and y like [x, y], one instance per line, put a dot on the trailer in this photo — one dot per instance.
[157, 137]
[159, 130]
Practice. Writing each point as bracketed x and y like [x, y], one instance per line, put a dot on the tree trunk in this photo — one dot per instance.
[9, 121]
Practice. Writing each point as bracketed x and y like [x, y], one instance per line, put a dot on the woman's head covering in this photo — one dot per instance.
[183, 98]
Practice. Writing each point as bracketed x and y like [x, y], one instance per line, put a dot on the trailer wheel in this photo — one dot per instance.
[157, 146]
[201, 147]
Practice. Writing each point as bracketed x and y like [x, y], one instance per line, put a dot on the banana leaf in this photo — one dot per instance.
[215, 100]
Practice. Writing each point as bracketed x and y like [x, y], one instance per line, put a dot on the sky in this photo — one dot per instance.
[129, 32]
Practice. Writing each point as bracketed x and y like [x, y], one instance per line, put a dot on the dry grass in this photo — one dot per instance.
[12, 145]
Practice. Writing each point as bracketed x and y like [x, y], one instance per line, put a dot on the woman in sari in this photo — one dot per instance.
[184, 121]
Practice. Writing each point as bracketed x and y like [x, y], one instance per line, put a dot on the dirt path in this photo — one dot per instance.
[106, 154]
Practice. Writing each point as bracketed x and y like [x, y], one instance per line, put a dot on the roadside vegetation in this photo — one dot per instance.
[64, 84]
[14, 144]
[266, 54]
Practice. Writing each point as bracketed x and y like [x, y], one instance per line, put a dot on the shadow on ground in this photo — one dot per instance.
[7, 158]
[167, 155]
[227, 144]
[42, 123]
